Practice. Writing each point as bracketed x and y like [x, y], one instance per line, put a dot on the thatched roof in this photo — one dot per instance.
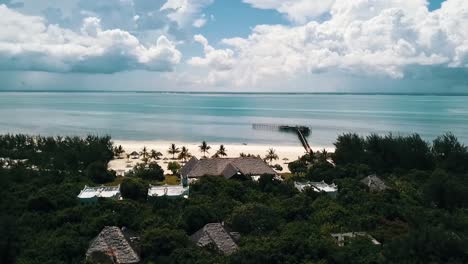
[111, 246]
[215, 234]
[227, 167]
[374, 183]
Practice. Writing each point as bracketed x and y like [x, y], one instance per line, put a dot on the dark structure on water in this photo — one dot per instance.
[302, 132]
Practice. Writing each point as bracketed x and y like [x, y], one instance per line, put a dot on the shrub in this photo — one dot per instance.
[134, 189]
[98, 173]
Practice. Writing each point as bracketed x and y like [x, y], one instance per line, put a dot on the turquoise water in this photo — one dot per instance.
[228, 118]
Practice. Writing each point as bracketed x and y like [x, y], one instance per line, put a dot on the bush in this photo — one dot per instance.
[134, 189]
[254, 217]
[40, 204]
[98, 173]
[174, 167]
[147, 171]
[278, 167]
[162, 242]
[297, 167]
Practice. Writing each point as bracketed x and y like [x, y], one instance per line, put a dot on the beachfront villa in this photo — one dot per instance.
[92, 194]
[170, 191]
[229, 168]
[341, 238]
[215, 235]
[330, 189]
[374, 183]
[113, 245]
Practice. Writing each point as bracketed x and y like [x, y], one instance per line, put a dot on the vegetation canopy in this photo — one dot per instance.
[420, 217]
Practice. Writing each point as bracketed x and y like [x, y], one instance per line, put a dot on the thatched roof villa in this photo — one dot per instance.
[216, 235]
[226, 167]
[112, 246]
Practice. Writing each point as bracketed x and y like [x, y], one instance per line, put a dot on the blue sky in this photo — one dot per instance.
[235, 45]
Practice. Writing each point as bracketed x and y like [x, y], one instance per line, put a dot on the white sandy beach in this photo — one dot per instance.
[285, 153]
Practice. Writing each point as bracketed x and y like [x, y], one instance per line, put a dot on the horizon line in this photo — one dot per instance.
[224, 92]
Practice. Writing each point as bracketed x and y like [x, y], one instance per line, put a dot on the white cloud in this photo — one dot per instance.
[217, 59]
[200, 22]
[183, 12]
[29, 43]
[362, 37]
[299, 11]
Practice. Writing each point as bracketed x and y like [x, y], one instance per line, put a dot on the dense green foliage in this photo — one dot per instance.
[423, 218]
[147, 171]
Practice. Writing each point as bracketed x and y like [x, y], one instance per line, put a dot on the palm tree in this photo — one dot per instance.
[184, 154]
[204, 148]
[323, 155]
[271, 155]
[173, 150]
[221, 151]
[118, 151]
[156, 155]
[144, 152]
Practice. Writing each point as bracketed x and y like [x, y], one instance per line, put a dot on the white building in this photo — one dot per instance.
[341, 238]
[322, 186]
[91, 194]
[171, 191]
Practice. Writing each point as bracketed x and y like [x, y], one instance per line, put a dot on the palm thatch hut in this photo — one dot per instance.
[215, 234]
[244, 167]
[111, 246]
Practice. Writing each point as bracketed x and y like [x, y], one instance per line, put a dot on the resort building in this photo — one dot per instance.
[228, 168]
[341, 238]
[112, 245]
[171, 191]
[91, 194]
[216, 235]
[374, 183]
[330, 189]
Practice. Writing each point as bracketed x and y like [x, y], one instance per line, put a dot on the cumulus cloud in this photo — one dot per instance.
[184, 12]
[29, 43]
[217, 59]
[299, 11]
[200, 22]
[362, 37]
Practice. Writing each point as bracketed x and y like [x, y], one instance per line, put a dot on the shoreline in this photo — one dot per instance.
[286, 153]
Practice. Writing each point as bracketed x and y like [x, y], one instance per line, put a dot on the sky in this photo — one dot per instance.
[235, 45]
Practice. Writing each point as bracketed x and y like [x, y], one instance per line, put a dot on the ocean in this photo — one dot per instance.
[228, 117]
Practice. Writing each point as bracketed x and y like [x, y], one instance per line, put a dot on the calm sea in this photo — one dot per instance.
[228, 117]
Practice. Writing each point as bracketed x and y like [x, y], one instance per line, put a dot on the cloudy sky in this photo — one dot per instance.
[235, 45]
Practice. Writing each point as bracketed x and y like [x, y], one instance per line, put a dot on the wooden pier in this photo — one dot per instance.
[302, 132]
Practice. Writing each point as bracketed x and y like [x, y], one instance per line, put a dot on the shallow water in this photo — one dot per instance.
[228, 118]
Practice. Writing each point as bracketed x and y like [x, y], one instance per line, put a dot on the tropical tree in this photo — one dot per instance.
[221, 151]
[118, 151]
[144, 152]
[174, 167]
[271, 155]
[173, 150]
[184, 154]
[204, 148]
[156, 155]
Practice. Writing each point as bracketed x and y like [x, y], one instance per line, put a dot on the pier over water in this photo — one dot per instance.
[302, 132]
